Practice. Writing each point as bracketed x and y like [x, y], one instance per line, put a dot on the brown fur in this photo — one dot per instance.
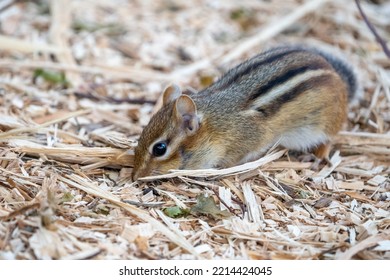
[246, 111]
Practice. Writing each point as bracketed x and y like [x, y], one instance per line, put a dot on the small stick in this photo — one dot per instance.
[272, 29]
[378, 38]
[8, 43]
[269, 31]
[20, 211]
[61, 19]
[231, 210]
[114, 100]
[16, 131]
[145, 204]
[128, 73]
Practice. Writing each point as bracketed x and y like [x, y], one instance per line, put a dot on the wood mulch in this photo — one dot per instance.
[80, 79]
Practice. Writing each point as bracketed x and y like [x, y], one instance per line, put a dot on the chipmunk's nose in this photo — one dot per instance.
[139, 173]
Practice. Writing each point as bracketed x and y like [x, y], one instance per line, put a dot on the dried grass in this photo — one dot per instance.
[66, 153]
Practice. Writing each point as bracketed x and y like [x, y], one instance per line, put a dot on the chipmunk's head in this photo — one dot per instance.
[162, 142]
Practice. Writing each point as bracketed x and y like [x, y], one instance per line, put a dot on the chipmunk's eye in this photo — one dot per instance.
[159, 149]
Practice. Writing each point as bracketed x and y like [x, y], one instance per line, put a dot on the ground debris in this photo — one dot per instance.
[78, 84]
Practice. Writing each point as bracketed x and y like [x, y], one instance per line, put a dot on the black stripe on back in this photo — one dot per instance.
[280, 79]
[247, 67]
[272, 108]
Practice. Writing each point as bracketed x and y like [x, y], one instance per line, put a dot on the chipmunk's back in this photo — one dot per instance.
[257, 76]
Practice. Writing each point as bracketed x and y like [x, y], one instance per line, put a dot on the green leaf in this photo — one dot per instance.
[110, 29]
[66, 197]
[176, 212]
[246, 18]
[51, 77]
[101, 209]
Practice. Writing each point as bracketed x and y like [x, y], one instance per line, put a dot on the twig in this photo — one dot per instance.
[21, 211]
[231, 210]
[114, 100]
[363, 244]
[272, 29]
[145, 204]
[128, 73]
[207, 173]
[84, 255]
[378, 38]
[61, 18]
[13, 44]
[20, 130]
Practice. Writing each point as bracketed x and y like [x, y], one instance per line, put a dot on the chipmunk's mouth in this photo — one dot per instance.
[139, 173]
[148, 169]
[134, 175]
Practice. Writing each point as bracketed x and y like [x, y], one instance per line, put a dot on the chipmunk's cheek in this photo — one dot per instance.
[171, 164]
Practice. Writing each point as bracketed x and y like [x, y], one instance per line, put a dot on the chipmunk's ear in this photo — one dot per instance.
[171, 93]
[186, 115]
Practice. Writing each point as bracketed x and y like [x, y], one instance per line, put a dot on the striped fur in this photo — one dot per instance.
[292, 95]
[270, 61]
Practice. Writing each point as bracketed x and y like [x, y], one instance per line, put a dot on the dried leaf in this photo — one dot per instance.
[322, 202]
[206, 205]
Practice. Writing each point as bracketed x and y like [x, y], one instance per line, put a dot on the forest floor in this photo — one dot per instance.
[80, 79]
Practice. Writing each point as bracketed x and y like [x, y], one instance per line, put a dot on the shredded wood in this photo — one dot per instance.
[80, 79]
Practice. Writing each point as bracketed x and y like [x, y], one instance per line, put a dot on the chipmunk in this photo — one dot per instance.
[291, 95]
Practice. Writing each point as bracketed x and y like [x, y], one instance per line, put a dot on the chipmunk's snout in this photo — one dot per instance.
[134, 175]
[140, 168]
[139, 173]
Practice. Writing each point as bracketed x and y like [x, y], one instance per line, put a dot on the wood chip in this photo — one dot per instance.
[377, 180]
